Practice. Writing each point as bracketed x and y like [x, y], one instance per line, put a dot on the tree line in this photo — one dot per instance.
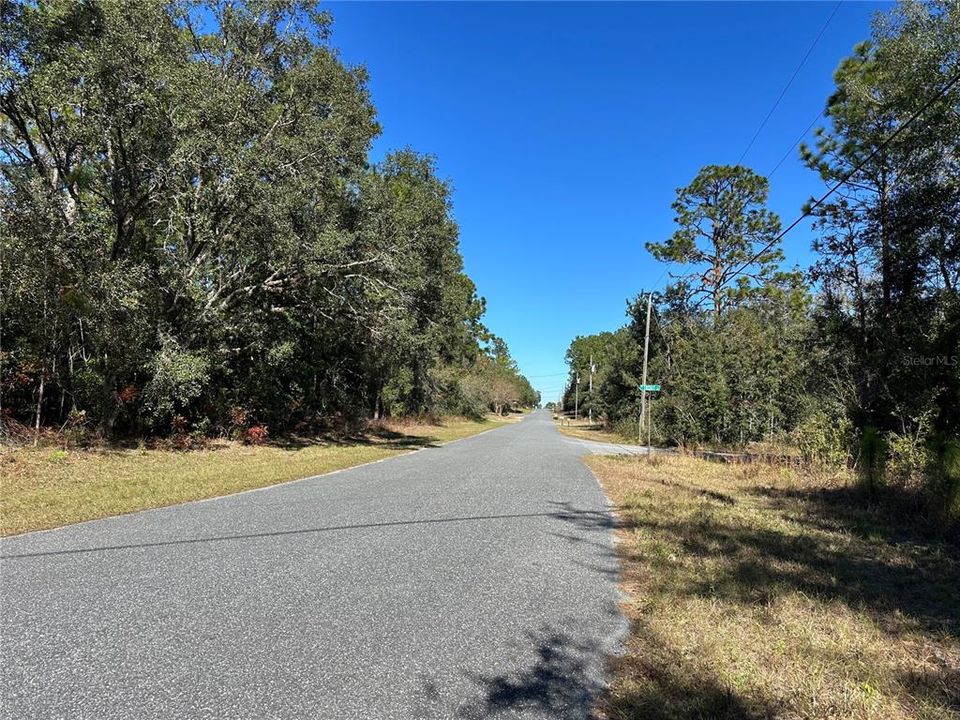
[193, 237]
[856, 359]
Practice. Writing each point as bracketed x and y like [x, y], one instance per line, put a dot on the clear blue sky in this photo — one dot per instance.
[566, 128]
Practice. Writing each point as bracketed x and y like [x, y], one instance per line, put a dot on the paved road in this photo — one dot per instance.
[592, 447]
[472, 580]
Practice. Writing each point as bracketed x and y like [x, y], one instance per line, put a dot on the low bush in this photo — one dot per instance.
[256, 435]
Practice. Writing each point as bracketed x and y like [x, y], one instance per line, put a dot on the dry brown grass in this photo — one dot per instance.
[48, 487]
[757, 592]
[511, 417]
[436, 431]
[586, 430]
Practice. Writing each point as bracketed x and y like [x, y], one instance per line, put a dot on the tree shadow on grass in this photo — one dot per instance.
[701, 492]
[381, 437]
[656, 682]
[937, 687]
[910, 581]
[891, 514]
[901, 558]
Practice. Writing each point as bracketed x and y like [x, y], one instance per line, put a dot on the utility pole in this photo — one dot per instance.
[576, 402]
[593, 369]
[646, 354]
[649, 427]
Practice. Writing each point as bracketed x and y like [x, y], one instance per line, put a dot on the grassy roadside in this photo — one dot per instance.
[586, 430]
[755, 592]
[46, 487]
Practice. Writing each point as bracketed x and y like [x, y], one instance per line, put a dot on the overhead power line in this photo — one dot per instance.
[663, 274]
[797, 142]
[763, 123]
[836, 186]
[859, 166]
[789, 82]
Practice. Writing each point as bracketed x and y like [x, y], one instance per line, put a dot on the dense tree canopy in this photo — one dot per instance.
[192, 235]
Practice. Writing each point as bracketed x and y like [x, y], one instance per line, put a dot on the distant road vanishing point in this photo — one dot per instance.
[473, 580]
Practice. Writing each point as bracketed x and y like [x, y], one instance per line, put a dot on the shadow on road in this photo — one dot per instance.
[559, 684]
[587, 518]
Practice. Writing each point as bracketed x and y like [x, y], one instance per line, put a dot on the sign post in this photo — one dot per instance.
[651, 389]
[646, 353]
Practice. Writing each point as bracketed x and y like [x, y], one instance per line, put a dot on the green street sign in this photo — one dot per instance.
[649, 388]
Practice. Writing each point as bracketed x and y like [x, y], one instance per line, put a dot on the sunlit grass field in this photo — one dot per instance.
[47, 487]
[758, 592]
[586, 430]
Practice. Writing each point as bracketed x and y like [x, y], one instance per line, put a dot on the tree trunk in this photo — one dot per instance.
[886, 262]
[36, 425]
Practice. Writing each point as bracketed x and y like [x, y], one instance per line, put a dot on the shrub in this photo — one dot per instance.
[908, 461]
[179, 377]
[239, 418]
[178, 429]
[474, 394]
[75, 429]
[256, 435]
[824, 435]
[626, 427]
[89, 391]
[202, 429]
[462, 392]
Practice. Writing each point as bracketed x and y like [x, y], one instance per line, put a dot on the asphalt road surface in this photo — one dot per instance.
[471, 580]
